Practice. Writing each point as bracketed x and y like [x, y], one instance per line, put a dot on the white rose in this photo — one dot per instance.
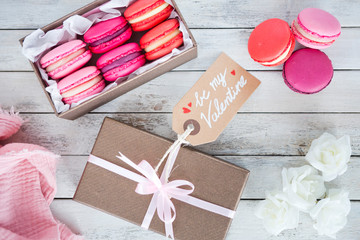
[330, 213]
[330, 155]
[277, 214]
[303, 186]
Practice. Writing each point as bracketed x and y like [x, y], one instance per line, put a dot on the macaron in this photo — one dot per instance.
[162, 39]
[271, 42]
[316, 28]
[146, 14]
[81, 84]
[107, 35]
[65, 59]
[121, 61]
[308, 71]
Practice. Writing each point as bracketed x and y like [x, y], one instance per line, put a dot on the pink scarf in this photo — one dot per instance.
[27, 188]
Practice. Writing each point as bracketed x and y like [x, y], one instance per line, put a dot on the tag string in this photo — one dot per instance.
[181, 140]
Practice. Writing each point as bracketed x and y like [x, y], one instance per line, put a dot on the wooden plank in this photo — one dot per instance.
[162, 94]
[247, 134]
[68, 173]
[268, 169]
[198, 14]
[94, 224]
[344, 53]
[11, 56]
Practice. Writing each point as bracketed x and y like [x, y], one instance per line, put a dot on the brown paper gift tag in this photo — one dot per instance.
[214, 100]
[215, 181]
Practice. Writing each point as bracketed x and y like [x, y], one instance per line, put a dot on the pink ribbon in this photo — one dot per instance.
[162, 190]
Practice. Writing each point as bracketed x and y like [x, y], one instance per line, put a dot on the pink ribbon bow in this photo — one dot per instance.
[162, 190]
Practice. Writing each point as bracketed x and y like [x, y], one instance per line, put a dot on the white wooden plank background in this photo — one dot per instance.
[272, 130]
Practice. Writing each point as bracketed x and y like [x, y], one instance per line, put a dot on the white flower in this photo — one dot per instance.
[330, 155]
[303, 186]
[277, 214]
[330, 213]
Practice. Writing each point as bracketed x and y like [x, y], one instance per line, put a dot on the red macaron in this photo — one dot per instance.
[271, 42]
[162, 39]
[146, 14]
[107, 35]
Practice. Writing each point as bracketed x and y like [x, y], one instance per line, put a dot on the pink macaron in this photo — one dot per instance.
[65, 59]
[316, 28]
[308, 71]
[121, 61]
[108, 34]
[81, 84]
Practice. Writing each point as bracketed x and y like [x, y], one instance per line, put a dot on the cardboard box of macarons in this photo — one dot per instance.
[105, 49]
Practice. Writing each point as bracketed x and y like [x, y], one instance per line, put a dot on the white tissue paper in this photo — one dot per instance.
[37, 43]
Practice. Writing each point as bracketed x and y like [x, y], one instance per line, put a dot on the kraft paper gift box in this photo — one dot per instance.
[215, 181]
[124, 87]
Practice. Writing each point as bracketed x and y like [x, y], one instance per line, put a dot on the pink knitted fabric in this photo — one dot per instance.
[27, 188]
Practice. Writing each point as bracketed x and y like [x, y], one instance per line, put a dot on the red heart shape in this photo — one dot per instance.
[186, 110]
[233, 72]
[189, 104]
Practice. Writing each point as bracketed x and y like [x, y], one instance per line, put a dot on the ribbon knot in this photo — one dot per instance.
[162, 191]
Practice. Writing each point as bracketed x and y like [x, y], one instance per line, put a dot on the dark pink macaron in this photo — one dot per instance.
[308, 71]
[107, 35]
[121, 61]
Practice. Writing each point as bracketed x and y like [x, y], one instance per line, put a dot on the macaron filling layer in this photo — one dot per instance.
[61, 52]
[121, 61]
[162, 40]
[280, 58]
[110, 37]
[125, 69]
[97, 88]
[149, 14]
[65, 60]
[308, 35]
[83, 87]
